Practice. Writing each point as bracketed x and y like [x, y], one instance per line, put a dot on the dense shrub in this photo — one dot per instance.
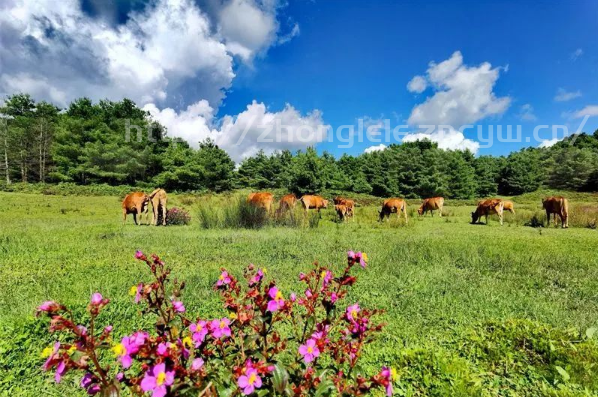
[268, 344]
[177, 216]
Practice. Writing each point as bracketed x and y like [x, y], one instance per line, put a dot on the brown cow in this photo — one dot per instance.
[391, 206]
[488, 207]
[350, 204]
[342, 211]
[509, 206]
[431, 204]
[159, 201]
[261, 200]
[313, 202]
[135, 203]
[557, 206]
[287, 203]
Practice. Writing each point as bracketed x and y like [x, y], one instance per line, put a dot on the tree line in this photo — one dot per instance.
[86, 143]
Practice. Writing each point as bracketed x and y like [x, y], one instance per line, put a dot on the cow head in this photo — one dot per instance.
[420, 210]
[325, 203]
[474, 217]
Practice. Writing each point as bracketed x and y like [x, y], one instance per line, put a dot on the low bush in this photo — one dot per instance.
[177, 216]
[268, 344]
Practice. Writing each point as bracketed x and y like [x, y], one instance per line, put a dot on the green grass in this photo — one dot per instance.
[440, 280]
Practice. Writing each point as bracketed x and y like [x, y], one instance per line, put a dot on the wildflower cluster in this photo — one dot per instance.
[268, 342]
[177, 216]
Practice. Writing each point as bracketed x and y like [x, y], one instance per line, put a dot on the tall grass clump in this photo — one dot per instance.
[209, 217]
[242, 214]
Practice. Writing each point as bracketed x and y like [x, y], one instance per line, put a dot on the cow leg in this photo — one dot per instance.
[486, 219]
[163, 214]
[124, 216]
[500, 218]
[135, 217]
[547, 218]
[440, 212]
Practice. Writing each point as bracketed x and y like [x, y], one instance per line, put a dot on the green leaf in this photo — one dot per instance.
[563, 373]
[590, 332]
[325, 388]
[280, 378]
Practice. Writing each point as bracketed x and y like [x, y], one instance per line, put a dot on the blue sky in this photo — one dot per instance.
[208, 68]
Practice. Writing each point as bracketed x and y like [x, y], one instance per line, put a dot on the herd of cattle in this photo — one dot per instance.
[137, 203]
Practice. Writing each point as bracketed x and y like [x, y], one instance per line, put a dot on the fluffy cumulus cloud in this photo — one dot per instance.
[170, 51]
[376, 148]
[245, 134]
[462, 95]
[563, 95]
[590, 110]
[549, 142]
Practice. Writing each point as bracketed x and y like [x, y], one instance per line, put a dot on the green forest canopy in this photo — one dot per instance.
[86, 144]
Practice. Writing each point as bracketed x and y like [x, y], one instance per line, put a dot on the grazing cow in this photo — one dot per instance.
[313, 202]
[350, 204]
[391, 206]
[509, 206]
[261, 200]
[488, 207]
[287, 203]
[557, 206]
[135, 203]
[431, 204]
[342, 211]
[159, 200]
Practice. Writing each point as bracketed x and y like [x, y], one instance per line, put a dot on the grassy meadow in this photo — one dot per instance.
[471, 309]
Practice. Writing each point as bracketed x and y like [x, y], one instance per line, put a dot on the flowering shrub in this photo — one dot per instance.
[269, 343]
[177, 216]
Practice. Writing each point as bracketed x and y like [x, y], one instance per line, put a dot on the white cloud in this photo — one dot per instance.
[526, 112]
[450, 139]
[590, 110]
[377, 148]
[463, 94]
[247, 27]
[295, 31]
[171, 52]
[576, 54]
[248, 132]
[549, 142]
[563, 96]
[417, 84]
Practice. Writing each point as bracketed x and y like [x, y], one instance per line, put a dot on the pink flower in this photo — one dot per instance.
[197, 364]
[157, 380]
[223, 279]
[82, 330]
[162, 349]
[308, 293]
[352, 312]
[90, 383]
[48, 306]
[97, 299]
[327, 278]
[220, 328]
[386, 375]
[362, 258]
[309, 350]
[128, 347]
[293, 297]
[333, 297]
[51, 361]
[60, 370]
[139, 254]
[350, 255]
[138, 292]
[250, 381]
[178, 306]
[108, 329]
[199, 332]
[277, 301]
[301, 276]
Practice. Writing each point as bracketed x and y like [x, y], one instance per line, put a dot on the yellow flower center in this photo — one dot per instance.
[364, 256]
[232, 315]
[310, 349]
[252, 378]
[221, 277]
[323, 274]
[133, 290]
[119, 349]
[160, 378]
[46, 352]
[264, 270]
[222, 324]
[353, 313]
[71, 350]
[187, 341]
[393, 373]
[278, 296]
